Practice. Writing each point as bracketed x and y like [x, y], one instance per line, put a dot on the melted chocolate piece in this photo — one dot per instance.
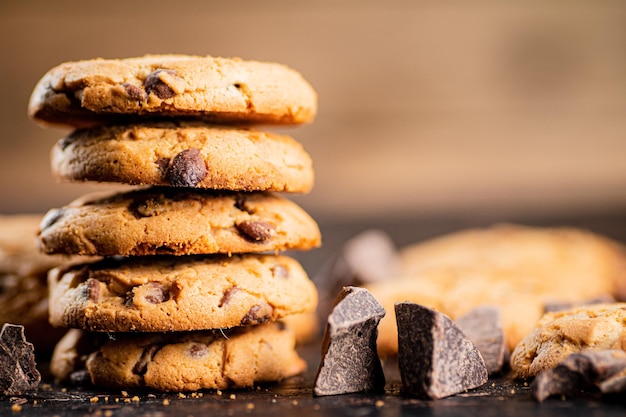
[18, 370]
[436, 359]
[350, 360]
[256, 230]
[187, 169]
[154, 84]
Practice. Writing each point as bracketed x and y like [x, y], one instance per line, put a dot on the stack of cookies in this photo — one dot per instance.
[192, 282]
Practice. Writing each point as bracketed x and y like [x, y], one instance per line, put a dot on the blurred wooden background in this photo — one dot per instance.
[425, 107]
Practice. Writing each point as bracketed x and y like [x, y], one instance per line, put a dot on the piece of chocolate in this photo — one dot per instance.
[483, 325]
[370, 256]
[435, 357]
[18, 370]
[350, 360]
[604, 370]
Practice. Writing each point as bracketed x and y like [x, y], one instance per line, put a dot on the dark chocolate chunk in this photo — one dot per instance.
[52, 217]
[350, 360]
[483, 325]
[154, 84]
[436, 359]
[134, 92]
[155, 293]
[256, 230]
[18, 370]
[152, 205]
[368, 257]
[147, 355]
[187, 169]
[93, 289]
[604, 370]
[257, 315]
[227, 295]
[197, 350]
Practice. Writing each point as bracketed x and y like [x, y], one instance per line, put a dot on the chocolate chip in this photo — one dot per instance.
[603, 370]
[197, 350]
[147, 355]
[154, 84]
[350, 361]
[93, 289]
[257, 315]
[227, 295]
[154, 293]
[435, 358]
[256, 230]
[134, 92]
[187, 169]
[280, 271]
[483, 326]
[240, 204]
[18, 370]
[147, 207]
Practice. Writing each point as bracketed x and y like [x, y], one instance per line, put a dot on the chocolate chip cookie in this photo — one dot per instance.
[562, 333]
[188, 361]
[163, 220]
[184, 154]
[178, 293]
[517, 268]
[222, 90]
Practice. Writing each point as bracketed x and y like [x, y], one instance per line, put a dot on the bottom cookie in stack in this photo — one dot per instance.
[179, 323]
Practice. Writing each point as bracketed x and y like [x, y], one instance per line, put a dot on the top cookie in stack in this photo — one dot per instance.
[200, 240]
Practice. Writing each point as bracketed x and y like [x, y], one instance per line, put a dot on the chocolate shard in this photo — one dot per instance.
[604, 370]
[18, 370]
[435, 357]
[350, 360]
[370, 256]
[483, 326]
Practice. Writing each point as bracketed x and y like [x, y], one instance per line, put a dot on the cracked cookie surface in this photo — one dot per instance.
[164, 220]
[223, 90]
[184, 361]
[562, 333]
[178, 293]
[184, 154]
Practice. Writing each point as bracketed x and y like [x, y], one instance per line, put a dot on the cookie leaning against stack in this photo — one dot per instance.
[201, 283]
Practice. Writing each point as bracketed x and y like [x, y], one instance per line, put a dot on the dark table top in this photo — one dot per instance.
[293, 397]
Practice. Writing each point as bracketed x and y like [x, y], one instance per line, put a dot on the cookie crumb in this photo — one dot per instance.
[108, 413]
[218, 392]
[294, 402]
[16, 408]
[93, 399]
[181, 395]
[166, 402]
[379, 403]
[124, 394]
[135, 399]
[232, 396]
[250, 406]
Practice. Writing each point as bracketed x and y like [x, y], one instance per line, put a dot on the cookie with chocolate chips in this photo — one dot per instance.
[187, 361]
[168, 221]
[178, 293]
[222, 90]
[184, 154]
